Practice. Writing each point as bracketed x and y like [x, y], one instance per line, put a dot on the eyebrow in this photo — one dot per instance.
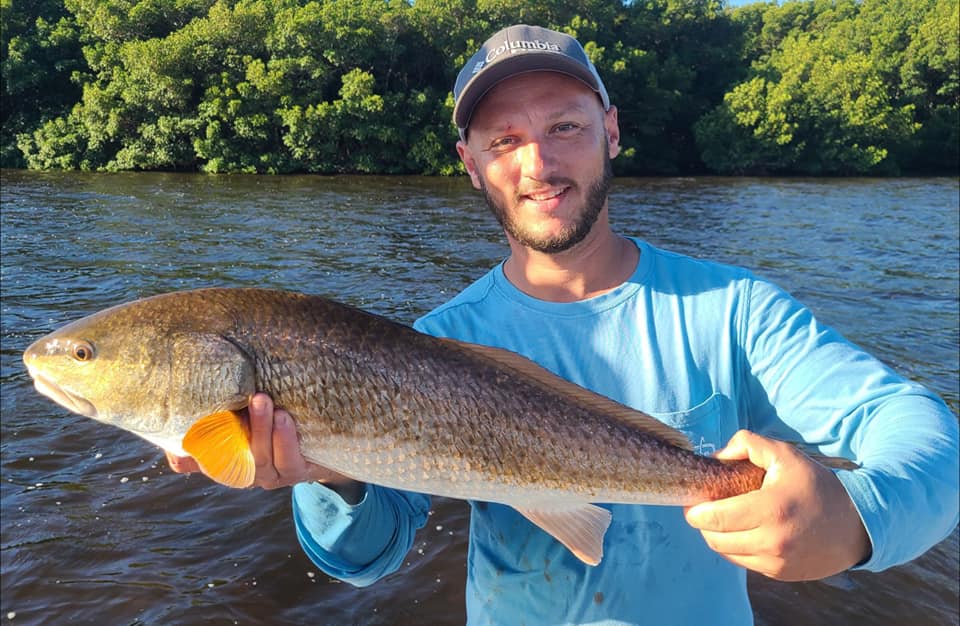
[558, 113]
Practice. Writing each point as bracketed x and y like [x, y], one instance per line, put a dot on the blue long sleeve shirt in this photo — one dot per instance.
[708, 349]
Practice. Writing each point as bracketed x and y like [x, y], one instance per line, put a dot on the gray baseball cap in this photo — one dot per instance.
[514, 50]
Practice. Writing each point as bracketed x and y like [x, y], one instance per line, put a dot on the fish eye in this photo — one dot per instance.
[82, 351]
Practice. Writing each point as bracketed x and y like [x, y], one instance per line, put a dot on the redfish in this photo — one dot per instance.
[374, 400]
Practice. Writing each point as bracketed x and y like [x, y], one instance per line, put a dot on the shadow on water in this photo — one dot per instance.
[95, 527]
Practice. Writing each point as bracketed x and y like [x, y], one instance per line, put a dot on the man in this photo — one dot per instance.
[712, 350]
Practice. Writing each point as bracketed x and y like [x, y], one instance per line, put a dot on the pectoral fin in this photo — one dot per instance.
[580, 527]
[220, 443]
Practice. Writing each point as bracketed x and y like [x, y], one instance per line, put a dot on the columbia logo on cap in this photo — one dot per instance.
[510, 46]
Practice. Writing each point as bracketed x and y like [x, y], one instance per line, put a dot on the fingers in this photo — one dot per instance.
[273, 443]
[182, 464]
[261, 431]
[771, 560]
[736, 448]
[739, 513]
[800, 525]
[749, 510]
[292, 467]
[261, 440]
[275, 447]
[772, 567]
[757, 542]
[287, 459]
[737, 544]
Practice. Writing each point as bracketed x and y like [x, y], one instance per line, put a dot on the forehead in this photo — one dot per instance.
[534, 94]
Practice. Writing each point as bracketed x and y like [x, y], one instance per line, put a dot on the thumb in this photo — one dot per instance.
[759, 450]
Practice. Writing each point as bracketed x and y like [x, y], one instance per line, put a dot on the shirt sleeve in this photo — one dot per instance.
[362, 543]
[809, 385]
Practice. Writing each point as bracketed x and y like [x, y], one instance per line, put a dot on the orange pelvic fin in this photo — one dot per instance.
[220, 443]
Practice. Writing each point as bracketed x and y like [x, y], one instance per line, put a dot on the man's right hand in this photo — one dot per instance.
[276, 452]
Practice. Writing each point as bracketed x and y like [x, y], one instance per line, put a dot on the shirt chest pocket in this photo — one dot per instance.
[708, 425]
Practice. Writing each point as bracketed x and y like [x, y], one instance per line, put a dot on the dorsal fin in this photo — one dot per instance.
[611, 408]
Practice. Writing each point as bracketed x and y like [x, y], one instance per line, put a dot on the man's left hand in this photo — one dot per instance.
[800, 524]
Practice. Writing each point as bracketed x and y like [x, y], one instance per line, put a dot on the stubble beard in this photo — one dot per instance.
[569, 236]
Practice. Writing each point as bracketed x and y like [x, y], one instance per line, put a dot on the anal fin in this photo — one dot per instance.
[579, 526]
[220, 443]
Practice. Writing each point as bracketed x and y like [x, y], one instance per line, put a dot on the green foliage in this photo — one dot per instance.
[39, 51]
[331, 86]
[831, 92]
[930, 81]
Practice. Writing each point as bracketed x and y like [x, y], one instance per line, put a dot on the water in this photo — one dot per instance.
[97, 529]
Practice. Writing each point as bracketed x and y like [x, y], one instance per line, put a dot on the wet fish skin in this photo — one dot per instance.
[376, 401]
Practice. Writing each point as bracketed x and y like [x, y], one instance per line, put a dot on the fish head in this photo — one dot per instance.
[153, 367]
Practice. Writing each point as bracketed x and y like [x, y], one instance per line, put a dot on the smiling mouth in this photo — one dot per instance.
[543, 196]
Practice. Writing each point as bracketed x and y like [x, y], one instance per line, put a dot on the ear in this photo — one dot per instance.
[612, 128]
[468, 162]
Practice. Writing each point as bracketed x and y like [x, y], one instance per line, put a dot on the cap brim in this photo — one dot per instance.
[488, 78]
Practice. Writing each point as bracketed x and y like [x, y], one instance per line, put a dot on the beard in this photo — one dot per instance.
[571, 234]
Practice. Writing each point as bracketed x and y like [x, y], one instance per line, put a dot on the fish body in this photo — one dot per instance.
[374, 400]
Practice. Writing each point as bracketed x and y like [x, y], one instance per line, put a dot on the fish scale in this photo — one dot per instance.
[376, 401]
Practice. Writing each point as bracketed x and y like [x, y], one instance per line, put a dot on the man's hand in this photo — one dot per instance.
[276, 451]
[800, 524]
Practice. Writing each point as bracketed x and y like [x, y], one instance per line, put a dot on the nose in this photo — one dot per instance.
[536, 159]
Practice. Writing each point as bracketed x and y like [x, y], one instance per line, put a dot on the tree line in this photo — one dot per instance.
[812, 87]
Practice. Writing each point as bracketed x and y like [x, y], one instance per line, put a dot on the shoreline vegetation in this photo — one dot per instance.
[803, 87]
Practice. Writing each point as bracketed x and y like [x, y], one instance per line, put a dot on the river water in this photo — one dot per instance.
[96, 529]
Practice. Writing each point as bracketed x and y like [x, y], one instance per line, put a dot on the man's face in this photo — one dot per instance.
[539, 147]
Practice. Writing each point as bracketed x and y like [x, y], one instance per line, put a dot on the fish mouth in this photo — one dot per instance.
[63, 397]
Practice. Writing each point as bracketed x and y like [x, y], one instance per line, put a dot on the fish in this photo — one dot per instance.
[374, 400]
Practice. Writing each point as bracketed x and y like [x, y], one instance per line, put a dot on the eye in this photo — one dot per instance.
[502, 143]
[82, 351]
[565, 127]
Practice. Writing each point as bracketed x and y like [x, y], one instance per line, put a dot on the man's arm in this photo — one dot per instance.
[352, 531]
[803, 382]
